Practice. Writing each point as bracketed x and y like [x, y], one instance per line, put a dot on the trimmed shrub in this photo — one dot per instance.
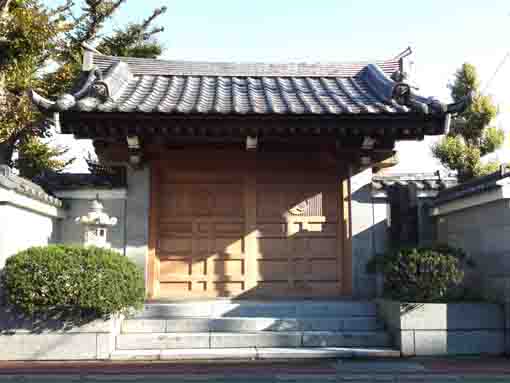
[426, 274]
[88, 280]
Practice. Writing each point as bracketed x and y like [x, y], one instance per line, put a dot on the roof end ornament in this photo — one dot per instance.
[88, 57]
[462, 104]
[94, 89]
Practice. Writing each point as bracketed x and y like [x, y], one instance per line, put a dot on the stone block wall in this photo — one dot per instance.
[51, 339]
[433, 329]
[483, 231]
[137, 215]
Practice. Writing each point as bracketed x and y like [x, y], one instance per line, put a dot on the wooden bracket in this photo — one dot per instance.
[135, 151]
[252, 142]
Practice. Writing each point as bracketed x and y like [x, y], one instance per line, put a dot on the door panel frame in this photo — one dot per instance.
[250, 202]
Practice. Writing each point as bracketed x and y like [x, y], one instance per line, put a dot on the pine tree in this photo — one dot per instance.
[31, 36]
[471, 135]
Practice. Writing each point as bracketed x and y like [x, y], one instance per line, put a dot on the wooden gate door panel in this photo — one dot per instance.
[298, 234]
[201, 237]
[256, 232]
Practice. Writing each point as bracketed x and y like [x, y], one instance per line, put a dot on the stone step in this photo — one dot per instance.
[205, 340]
[189, 325]
[256, 309]
[254, 353]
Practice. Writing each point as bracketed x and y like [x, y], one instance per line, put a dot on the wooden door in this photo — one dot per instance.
[300, 242]
[262, 231]
[200, 247]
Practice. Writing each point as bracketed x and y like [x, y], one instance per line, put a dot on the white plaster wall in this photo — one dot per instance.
[21, 228]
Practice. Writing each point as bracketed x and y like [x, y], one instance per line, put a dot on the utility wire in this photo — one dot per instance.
[498, 68]
[507, 55]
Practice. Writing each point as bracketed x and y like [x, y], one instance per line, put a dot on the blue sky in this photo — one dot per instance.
[443, 34]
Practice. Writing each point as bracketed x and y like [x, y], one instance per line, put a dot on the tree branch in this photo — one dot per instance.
[4, 7]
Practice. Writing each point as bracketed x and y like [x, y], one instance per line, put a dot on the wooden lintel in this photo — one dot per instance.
[410, 127]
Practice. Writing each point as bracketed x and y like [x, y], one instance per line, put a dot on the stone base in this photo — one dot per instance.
[255, 353]
[52, 340]
[434, 329]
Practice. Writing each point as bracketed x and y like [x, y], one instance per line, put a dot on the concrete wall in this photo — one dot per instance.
[130, 236]
[51, 339]
[427, 233]
[369, 233]
[425, 329]
[137, 215]
[483, 231]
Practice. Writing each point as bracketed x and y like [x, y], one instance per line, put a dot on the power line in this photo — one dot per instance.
[507, 55]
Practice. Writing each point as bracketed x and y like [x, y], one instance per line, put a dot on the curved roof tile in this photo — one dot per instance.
[181, 87]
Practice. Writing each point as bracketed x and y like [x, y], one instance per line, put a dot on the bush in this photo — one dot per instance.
[90, 281]
[426, 274]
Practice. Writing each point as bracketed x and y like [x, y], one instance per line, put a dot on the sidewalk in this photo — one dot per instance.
[402, 370]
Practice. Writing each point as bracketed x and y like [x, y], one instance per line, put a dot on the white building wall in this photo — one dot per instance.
[21, 229]
[28, 216]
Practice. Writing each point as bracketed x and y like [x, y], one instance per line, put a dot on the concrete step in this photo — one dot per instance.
[346, 339]
[257, 309]
[254, 353]
[212, 340]
[188, 325]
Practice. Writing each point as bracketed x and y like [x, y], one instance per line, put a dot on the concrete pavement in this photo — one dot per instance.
[473, 370]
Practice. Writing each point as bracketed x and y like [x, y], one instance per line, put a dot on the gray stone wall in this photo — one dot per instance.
[425, 329]
[369, 233]
[51, 339]
[137, 215]
[484, 233]
[131, 234]
[426, 224]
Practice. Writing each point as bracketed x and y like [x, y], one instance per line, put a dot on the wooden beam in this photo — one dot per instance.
[348, 125]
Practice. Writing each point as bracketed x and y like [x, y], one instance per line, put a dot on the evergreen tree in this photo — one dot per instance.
[33, 36]
[471, 135]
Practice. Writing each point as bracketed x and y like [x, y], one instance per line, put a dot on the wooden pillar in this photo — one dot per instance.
[251, 248]
[346, 235]
[152, 260]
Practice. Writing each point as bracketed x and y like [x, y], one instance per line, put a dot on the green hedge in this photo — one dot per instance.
[92, 281]
[425, 274]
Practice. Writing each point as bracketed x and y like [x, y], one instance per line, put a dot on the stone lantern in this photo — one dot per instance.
[96, 224]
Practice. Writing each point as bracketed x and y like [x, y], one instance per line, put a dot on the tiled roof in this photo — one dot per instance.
[474, 186]
[54, 182]
[154, 67]
[171, 87]
[21, 185]
[422, 181]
